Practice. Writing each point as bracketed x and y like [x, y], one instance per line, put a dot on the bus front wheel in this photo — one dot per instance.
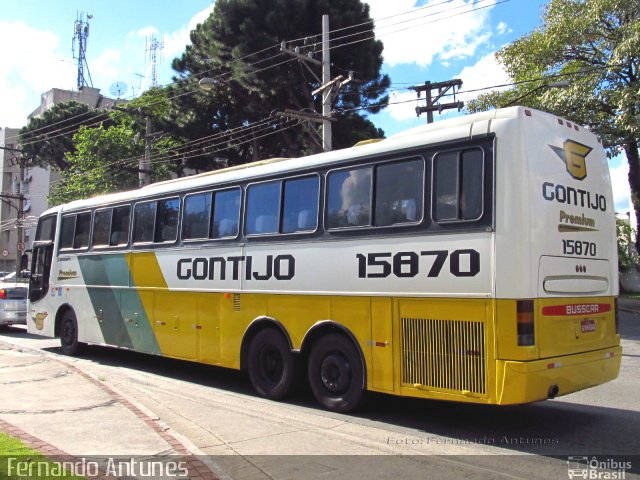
[69, 334]
[271, 365]
[336, 373]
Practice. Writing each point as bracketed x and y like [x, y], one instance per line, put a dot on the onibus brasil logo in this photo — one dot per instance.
[582, 466]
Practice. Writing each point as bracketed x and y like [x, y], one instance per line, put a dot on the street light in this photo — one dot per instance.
[560, 84]
[207, 83]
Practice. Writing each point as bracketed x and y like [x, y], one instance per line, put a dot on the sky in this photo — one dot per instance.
[433, 40]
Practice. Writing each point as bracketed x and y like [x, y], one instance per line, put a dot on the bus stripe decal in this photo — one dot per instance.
[103, 271]
[146, 280]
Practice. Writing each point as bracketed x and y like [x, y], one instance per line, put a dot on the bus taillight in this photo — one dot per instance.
[616, 315]
[526, 329]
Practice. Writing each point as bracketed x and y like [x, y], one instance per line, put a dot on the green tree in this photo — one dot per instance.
[595, 45]
[627, 254]
[47, 139]
[251, 88]
[97, 164]
[105, 159]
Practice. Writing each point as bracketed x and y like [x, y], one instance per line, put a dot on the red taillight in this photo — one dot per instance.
[3, 293]
[615, 313]
[525, 319]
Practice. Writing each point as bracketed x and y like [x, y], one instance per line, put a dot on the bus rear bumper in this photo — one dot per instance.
[525, 382]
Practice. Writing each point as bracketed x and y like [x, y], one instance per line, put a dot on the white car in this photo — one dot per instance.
[13, 303]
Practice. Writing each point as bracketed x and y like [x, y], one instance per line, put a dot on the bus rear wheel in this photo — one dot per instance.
[336, 375]
[271, 365]
[69, 334]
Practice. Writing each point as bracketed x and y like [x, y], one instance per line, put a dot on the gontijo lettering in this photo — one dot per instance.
[279, 267]
[553, 192]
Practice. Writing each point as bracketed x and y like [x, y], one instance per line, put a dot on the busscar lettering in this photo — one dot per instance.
[573, 196]
[278, 267]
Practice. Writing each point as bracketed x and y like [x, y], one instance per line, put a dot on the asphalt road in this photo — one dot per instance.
[249, 437]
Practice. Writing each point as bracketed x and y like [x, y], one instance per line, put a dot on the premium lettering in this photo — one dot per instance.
[576, 219]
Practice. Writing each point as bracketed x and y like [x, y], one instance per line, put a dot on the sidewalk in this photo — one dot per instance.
[62, 412]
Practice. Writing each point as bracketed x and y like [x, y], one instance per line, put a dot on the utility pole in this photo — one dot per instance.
[327, 95]
[328, 87]
[144, 176]
[432, 105]
[144, 165]
[19, 196]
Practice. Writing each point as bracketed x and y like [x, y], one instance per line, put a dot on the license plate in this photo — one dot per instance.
[588, 326]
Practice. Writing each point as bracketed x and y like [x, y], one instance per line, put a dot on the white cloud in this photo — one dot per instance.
[108, 64]
[402, 106]
[31, 65]
[176, 42]
[484, 73]
[452, 30]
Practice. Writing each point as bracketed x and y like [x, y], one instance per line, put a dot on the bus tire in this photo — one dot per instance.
[271, 365]
[335, 372]
[69, 334]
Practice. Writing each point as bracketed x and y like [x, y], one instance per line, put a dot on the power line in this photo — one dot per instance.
[232, 62]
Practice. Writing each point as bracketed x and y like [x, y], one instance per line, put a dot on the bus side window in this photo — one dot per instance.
[67, 228]
[458, 185]
[472, 181]
[101, 227]
[226, 213]
[300, 211]
[168, 214]
[83, 228]
[144, 216]
[399, 192]
[120, 226]
[349, 198]
[263, 208]
[195, 219]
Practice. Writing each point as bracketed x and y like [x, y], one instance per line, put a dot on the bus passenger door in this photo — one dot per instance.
[175, 323]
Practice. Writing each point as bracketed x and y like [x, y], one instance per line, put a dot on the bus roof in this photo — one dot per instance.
[256, 170]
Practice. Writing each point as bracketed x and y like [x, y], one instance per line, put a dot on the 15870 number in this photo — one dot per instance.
[578, 247]
[462, 263]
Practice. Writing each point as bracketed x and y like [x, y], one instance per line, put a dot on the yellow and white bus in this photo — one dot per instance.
[472, 260]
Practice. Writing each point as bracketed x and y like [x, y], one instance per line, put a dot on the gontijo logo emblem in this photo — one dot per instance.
[574, 154]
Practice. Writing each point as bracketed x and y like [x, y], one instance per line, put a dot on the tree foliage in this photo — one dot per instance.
[47, 139]
[627, 254]
[106, 159]
[250, 88]
[595, 46]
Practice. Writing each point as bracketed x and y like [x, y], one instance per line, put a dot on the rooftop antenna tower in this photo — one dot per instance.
[80, 36]
[153, 45]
